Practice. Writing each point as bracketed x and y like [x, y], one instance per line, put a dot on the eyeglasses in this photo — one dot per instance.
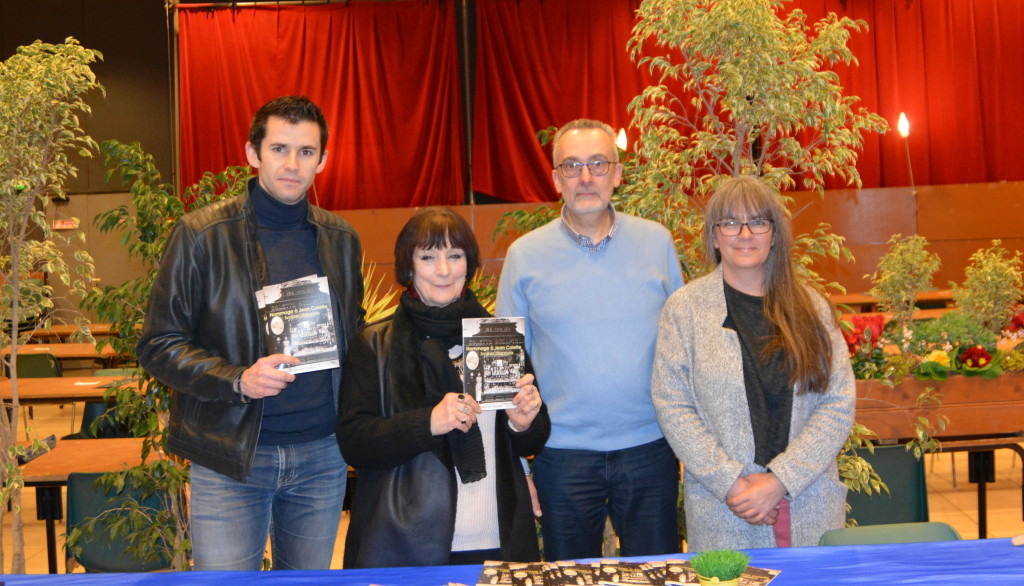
[575, 168]
[733, 228]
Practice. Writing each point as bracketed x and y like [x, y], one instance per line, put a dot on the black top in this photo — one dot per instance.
[766, 378]
[305, 410]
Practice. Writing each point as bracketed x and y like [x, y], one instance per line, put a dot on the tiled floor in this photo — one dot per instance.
[957, 507]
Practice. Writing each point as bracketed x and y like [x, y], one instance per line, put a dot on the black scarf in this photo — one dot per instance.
[439, 329]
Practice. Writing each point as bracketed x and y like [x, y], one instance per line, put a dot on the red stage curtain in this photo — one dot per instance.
[542, 63]
[385, 74]
[954, 67]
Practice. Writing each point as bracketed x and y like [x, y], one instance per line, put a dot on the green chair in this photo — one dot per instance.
[35, 365]
[93, 410]
[100, 553]
[890, 533]
[908, 498]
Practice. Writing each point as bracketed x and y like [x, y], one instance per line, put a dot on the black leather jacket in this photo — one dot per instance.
[202, 328]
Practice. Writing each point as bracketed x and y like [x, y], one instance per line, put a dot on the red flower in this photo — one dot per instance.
[1017, 323]
[865, 328]
[976, 357]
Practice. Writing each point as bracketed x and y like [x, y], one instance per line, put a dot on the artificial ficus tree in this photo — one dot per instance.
[42, 94]
[744, 88]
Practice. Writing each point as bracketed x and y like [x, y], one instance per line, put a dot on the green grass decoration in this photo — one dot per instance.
[724, 564]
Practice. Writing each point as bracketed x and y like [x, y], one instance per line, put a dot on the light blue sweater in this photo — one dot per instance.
[591, 326]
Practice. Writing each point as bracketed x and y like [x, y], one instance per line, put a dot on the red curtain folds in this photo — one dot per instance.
[542, 63]
[385, 75]
[954, 66]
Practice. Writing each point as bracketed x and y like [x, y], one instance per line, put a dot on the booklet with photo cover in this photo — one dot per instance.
[298, 321]
[494, 351]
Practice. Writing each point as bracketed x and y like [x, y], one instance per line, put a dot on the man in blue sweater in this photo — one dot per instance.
[260, 438]
[591, 286]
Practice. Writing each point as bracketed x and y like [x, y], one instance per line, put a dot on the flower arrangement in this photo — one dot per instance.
[863, 335]
[978, 338]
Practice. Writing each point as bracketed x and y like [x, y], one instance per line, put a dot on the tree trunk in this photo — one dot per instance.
[8, 436]
[17, 533]
[3, 513]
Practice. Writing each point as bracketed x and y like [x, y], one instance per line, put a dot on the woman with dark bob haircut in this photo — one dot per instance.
[440, 480]
[752, 384]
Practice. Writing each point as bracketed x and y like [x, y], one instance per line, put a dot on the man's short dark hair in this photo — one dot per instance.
[294, 109]
[430, 228]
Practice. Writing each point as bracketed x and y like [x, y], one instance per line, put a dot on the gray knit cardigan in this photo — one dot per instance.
[698, 391]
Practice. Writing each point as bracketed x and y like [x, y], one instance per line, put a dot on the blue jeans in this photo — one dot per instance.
[578, 489]
[294, 493]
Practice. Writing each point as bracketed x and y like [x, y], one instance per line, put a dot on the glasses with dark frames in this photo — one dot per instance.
[733, 228]
[572, 169]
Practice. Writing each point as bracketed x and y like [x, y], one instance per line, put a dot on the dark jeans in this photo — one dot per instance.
[578, 489]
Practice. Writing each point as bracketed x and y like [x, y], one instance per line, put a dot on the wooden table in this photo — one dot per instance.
[864, 303]
[918, 314]
[57, 390]
[108, 357]
[49, 472]
[68, 350]
[62, 332]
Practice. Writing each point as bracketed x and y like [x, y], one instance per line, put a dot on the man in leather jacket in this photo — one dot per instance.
[260, 438]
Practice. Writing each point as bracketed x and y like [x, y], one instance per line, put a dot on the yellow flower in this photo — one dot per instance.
[939, 356]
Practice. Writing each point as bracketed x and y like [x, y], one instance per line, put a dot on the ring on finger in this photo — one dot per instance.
[465, 408]
[463, 421]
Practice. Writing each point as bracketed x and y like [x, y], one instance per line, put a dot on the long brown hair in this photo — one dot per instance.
[799, 331]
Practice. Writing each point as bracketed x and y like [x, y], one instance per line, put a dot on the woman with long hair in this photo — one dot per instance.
[752, 384]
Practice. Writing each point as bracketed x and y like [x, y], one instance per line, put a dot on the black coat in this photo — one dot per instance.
[202, 328]
[403, 506]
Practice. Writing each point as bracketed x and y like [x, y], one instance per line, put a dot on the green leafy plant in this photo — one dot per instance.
[42, 95]
[724, 564]
[992, 286]
[143, 406]
[937, 365]
[855, 472]
[924, 441]
[953, 331]
[1013, 361]
[743, 90]
[903, 272]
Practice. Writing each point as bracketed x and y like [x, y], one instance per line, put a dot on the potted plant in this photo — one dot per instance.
[145, 225]
[931, 378]
[723, 566]
[42, 91]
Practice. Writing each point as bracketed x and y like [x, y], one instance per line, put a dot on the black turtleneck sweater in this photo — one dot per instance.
[305, 410]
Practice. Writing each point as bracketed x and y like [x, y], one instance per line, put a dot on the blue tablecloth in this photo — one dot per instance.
[989, 561]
